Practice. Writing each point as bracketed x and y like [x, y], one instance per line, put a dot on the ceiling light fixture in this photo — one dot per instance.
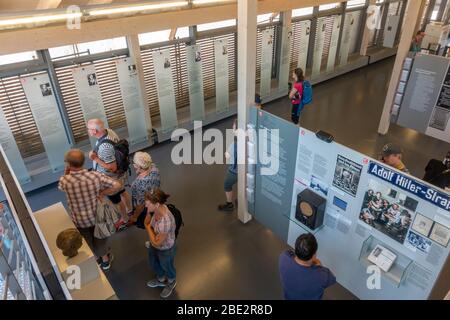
[129, 9]
[37, 19]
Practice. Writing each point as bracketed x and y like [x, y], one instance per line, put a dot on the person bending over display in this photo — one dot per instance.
[302, 275]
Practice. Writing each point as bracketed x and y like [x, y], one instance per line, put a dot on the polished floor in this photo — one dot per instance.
[219, 257]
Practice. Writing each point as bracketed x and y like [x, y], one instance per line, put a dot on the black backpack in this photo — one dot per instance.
[121, 153]
[178, 218]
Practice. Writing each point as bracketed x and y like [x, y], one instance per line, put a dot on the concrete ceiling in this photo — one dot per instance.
[16, 6]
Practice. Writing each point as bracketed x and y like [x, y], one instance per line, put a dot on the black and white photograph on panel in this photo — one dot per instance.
[92, 79]
[391, 216]
[166, 63]
[416, 241]
[46, 89]
[318, 185]
[347, 175]
[198, 56]
[132, 68]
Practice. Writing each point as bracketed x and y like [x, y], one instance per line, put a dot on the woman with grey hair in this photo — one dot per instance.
[147, 179]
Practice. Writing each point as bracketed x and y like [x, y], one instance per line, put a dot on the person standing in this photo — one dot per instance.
[147, 179]
[231, 174]
[83, 189]
[296, 94]
[161, 251]
[302, 275]
[416, 42]
[104, 161]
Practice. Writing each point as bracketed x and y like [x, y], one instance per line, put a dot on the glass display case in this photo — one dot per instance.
[19, 279]
[397, 271]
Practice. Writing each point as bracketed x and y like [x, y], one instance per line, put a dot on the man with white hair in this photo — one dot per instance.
[104, 161]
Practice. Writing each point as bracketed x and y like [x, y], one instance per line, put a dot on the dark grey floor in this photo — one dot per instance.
[219, 257]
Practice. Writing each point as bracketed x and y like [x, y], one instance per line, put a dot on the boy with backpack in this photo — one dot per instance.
[111, 157]
[300, 94]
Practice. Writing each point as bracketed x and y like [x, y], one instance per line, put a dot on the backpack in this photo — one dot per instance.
[121, 153]
[178, 218]
[307, 93]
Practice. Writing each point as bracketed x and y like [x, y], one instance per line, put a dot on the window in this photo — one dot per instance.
[265, 18]
[330, 6]
[216, 25]
[18, 57]
[302, 12]
[356, 3]
[91, 47]
[154, 37]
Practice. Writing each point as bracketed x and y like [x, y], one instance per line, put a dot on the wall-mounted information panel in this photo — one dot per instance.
[425, 106]
[357, 208]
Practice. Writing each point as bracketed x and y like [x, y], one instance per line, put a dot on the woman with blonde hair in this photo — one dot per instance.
[147, 179]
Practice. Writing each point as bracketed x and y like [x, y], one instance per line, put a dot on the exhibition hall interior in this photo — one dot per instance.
[225, 150]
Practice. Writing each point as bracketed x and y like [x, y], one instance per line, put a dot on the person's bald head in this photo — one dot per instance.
[96, 127]
[74, 158]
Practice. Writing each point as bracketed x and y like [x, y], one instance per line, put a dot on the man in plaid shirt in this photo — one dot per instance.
[83, 189]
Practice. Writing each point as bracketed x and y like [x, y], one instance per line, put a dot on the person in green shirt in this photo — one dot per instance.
[417, 41]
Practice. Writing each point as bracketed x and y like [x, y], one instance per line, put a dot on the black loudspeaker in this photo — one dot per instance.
[310, 209]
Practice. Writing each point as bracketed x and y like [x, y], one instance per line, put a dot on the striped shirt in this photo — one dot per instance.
[106, 153]
[82, 189]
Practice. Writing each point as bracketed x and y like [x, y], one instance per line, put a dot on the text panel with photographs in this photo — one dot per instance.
[363, 214]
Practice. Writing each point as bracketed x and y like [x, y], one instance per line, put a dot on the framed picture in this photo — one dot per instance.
[422, 225]
[440, 234]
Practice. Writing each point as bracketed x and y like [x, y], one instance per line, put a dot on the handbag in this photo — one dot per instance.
[105, 220]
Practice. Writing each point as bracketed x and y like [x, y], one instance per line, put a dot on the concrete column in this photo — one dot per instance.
[423, 6]
[428, 13]
[246, 25]
[135, 53]
[412, 12]
[286, 22]
[366, 33]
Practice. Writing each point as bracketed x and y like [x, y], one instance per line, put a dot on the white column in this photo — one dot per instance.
[366, 34]
[412, 12]
[247, 14]
[135, 53]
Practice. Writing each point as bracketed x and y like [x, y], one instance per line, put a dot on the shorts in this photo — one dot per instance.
[230, 181]
[115, 198]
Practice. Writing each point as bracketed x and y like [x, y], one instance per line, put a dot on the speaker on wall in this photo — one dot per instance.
[310, 209]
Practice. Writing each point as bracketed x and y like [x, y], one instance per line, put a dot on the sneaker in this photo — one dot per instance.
[155, 283]
[106, 265]
[168, 289]
[121, 225]
[229, 206]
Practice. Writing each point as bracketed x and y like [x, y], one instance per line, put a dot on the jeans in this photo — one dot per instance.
[295, 112]
[162, 262]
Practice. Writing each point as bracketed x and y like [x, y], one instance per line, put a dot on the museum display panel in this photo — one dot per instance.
[362, 212]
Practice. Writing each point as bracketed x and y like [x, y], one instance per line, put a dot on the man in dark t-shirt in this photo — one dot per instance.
[302, 275]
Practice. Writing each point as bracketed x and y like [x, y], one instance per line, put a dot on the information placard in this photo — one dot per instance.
[195, 76]
[318, 48]
[346, 38]
[222, 76]
[88, 90]
[305, 31]
[132, 101]
[390, 31]
[285, 61]
[43, 105]
[334, 43]
[266, 62]
[12, 152]
[166, 93]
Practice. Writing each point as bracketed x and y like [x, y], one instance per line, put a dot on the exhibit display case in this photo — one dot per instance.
[398, 266]
[18, 272]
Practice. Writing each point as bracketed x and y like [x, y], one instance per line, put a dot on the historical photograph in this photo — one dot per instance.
[346, 175]
[166, 63]
[318, 185]
[92, 79]
[224, 50]
[417, 241]
[132, 68]
[422, 225]
[198, 56]
[440, 234]
[384, 213]
[46, 89]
